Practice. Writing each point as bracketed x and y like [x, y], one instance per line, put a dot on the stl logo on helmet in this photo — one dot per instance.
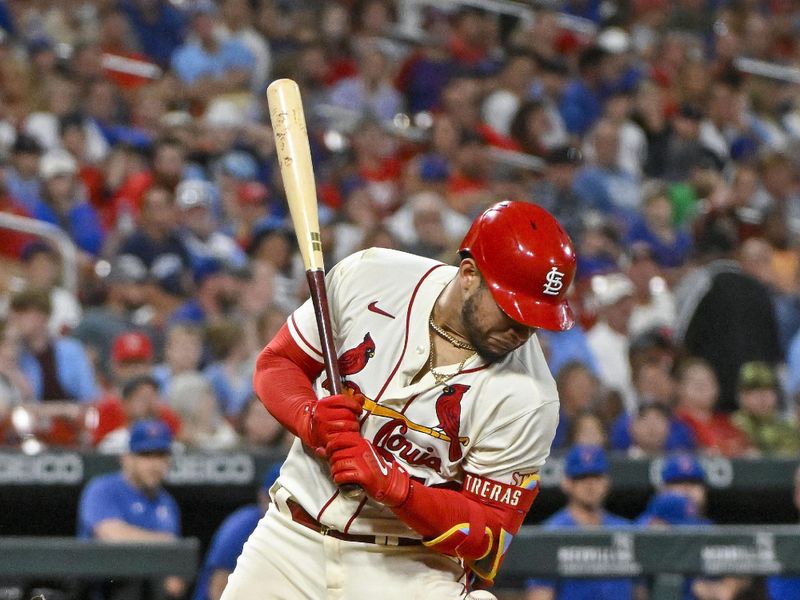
[554, 282]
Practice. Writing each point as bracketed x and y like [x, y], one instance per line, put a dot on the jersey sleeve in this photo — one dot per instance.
[98, 503]
[517, 447]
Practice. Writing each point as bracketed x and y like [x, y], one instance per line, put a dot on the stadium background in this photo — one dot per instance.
[138, 191]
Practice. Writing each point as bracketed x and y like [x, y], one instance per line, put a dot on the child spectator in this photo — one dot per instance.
[697, 398]
[758, 414]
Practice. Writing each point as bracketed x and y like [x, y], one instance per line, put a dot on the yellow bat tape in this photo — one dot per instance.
[384, 411]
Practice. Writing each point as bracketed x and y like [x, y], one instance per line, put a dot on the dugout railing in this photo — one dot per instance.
[664, 557]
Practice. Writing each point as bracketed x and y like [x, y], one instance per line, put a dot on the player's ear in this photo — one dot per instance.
[469, 275]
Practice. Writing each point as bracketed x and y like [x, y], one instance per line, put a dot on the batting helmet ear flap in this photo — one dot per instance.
[527, 261]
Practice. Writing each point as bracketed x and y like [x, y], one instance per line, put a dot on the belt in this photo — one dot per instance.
[301, 517]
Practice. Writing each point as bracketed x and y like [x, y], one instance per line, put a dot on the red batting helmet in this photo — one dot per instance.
[527, 261]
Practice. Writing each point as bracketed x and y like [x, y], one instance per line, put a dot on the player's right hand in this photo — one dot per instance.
[332, 415]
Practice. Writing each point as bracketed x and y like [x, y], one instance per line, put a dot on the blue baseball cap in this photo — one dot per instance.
[582, 461]
[671, 508]
[682, 467]
[150, 435]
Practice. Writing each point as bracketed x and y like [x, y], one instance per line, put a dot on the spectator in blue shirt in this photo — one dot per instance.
[683, 474]
[586, 484]
[57, 368]
[62, 204]
[668, 508]
[207, 65]
[159, 27]
[228, 540]
[132, 505]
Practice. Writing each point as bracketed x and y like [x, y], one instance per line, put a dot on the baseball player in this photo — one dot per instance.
[449, 414]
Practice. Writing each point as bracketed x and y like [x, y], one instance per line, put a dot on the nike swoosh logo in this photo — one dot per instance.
[379, 460]
[373, 307]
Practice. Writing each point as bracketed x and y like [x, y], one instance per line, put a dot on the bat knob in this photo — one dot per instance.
[351, 491]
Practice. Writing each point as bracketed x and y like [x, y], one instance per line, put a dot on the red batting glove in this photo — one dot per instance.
[355, 460]
[332, 415]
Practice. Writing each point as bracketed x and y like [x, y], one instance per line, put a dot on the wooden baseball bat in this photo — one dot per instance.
[294, 158]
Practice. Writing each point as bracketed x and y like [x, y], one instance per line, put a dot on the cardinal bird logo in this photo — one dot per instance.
[448, 411]
[354, 360]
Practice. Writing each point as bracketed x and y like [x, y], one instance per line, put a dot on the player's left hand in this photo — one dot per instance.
[355, 460]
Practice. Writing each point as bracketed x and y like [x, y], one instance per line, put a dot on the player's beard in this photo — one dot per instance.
[475, 336]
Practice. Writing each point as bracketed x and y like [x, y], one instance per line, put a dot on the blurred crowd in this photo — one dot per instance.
[663, 135]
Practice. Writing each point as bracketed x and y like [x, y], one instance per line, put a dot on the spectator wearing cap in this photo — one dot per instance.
[667, 510]
[217, 294]
[252, 211]
[132, 505]
[126, 293]
[157, 241]
[682, 473]
[57, 367]
[228, 541]
[682, 147]
[612, 299]
[200, 232]
[601, 184]
[137, 398]
[758, 416]
[696, 406]
[206, 65]
[554, 190]
[41, 265]
[61, 202]
[586, 484]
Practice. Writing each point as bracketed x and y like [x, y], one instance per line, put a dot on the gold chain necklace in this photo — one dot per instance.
[439, 377]
[443, 333]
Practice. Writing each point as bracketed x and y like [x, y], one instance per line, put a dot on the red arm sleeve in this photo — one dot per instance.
[283, 382]
[475, 524]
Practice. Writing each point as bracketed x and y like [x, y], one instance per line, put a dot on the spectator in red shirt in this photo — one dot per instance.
[139, 400]
[698, 391]
[132, 361]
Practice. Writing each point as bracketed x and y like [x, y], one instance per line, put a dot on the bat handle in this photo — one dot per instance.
[316, 283]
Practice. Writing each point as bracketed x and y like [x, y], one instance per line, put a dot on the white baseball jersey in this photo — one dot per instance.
[493, 420]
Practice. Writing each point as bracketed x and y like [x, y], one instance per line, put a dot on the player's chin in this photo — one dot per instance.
[492, 351]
